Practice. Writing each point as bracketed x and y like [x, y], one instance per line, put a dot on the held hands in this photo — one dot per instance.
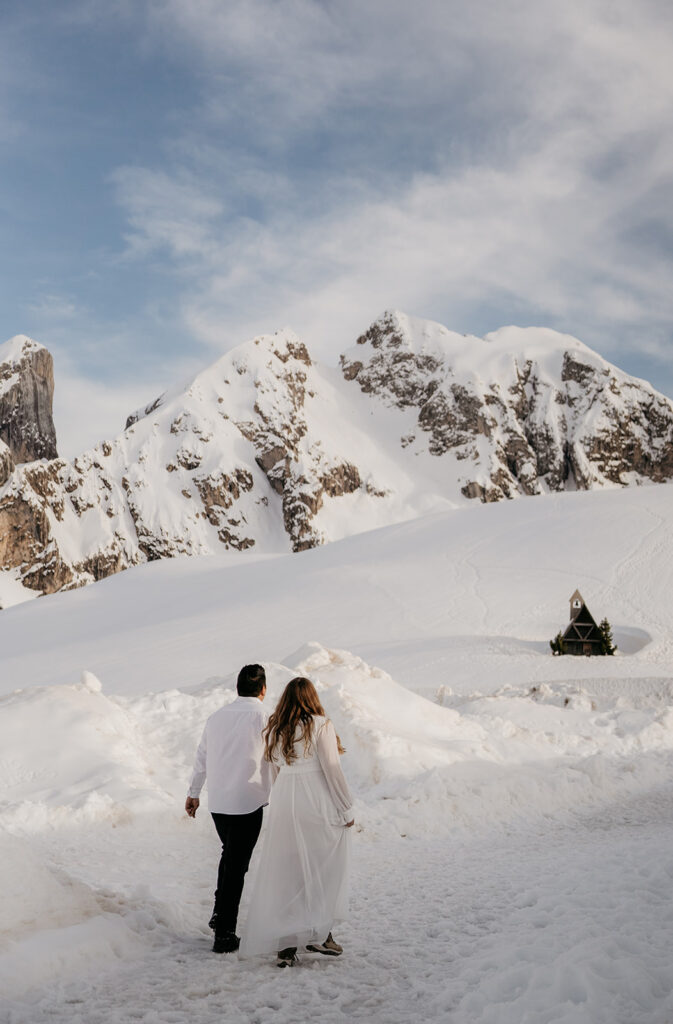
[191, 805]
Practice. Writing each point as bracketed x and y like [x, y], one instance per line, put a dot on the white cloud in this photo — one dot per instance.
[48, 308]
[539, 233]
[532, 212]
[166, 212]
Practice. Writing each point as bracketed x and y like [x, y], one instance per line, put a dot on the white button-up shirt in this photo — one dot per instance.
[231, 756]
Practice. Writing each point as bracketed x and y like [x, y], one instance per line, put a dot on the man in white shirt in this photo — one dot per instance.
[231, 756]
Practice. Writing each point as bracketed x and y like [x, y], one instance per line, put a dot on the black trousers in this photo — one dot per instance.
[238, 834]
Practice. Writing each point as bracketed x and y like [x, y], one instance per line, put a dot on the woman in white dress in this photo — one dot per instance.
[301, 887]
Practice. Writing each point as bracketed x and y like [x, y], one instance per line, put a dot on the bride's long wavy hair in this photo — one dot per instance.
[296, 709]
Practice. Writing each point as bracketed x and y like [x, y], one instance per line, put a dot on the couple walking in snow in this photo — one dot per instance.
[289, 760]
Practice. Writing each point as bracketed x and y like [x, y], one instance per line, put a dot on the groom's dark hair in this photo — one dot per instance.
[251, 681]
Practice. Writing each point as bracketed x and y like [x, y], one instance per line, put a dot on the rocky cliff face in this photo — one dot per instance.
[26, 434]
[6, 463]
[289, 453]
[526, 411]
[26, 400]
[268, 451]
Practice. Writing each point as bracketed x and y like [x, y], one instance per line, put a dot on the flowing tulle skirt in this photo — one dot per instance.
[300, 888]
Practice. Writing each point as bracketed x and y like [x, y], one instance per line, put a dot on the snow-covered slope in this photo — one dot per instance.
[456, 599]
[266, 451]
[512, 858]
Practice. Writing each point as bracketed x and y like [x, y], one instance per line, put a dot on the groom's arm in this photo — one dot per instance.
[198, 778]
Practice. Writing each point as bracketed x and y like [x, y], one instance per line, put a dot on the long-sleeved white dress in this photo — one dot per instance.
[301, 885]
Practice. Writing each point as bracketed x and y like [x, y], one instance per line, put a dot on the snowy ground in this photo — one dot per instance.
[514, 852]
[570, 922]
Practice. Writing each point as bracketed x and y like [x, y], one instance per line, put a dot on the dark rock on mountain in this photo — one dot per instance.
[552, 413]
[6, 463]
[26, 400]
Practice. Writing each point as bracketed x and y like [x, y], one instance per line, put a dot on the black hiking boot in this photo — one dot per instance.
[227, 942]
[288, 957]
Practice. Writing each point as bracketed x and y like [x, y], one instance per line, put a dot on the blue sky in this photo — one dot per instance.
[179, 175]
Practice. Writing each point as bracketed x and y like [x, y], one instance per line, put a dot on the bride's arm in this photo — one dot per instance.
[328, 755]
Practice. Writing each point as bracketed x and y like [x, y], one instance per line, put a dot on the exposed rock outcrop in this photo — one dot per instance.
[527, 411]
[26, 400]
[6, 463]
[289, 453]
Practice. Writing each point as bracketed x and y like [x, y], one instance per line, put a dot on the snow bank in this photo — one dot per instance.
[69, 753]
[422, 768]
[100, 864]
[73, 754]
[52, 926]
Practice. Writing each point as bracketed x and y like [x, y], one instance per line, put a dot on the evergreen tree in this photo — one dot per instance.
[608, 646]
[557, 644]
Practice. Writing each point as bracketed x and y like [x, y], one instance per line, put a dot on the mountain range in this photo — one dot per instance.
[268, 451]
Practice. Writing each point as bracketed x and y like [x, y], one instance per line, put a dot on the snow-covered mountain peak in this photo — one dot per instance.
[17, 348]
[397, 337]
[264, 358]
[267, 450]
[525, 409]
[407, 336]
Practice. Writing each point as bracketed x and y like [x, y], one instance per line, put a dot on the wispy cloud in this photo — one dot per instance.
[164, 212]
[546, 163]
[54, 308]
[312, 162]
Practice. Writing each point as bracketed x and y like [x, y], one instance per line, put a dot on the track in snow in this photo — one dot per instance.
[567, 923]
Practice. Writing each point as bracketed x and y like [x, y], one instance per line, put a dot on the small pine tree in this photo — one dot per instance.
[608, 646]
[557, 644]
